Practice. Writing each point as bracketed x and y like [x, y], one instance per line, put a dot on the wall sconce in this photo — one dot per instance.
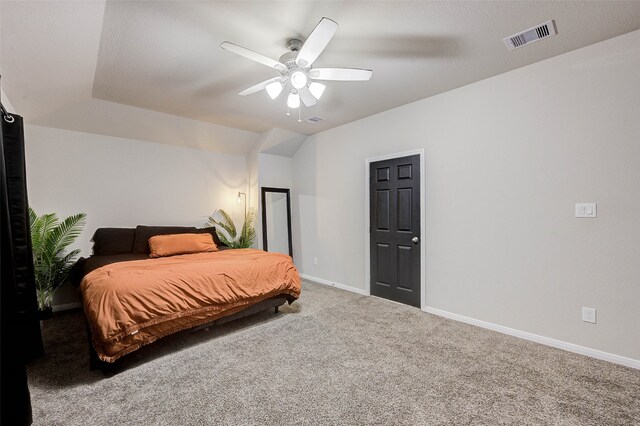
[240, 194]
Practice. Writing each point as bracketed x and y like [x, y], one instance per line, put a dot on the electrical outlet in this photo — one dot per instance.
[589, 315]
[315, 260]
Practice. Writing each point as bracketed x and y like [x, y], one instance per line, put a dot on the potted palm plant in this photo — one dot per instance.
[50, 238]
[232, 239]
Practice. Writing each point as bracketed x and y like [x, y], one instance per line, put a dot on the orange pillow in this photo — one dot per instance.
[169, 245]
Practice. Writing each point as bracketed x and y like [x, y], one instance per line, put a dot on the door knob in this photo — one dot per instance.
[415, 240]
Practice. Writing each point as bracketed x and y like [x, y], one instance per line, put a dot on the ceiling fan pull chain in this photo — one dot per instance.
[299, 108]
[288, 113]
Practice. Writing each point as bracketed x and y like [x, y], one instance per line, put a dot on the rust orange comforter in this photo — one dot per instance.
[130, 304]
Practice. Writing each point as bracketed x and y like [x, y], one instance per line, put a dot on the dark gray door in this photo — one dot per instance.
[395, 229]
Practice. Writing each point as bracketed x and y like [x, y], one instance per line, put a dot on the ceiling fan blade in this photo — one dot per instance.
[307, 97]
[250, 54]
[316, 42]
[340, 74]
[258, 87]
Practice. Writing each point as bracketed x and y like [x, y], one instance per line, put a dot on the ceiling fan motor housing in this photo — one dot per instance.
[293, 67]
[289, 59]
[294, 44]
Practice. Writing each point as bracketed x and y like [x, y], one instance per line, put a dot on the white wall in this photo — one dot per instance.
[124, 182]
[275, 171]
[5, 101]
[506, 159]
[253, 194]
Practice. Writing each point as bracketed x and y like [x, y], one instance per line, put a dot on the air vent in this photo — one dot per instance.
[531, 35]
[313, 120]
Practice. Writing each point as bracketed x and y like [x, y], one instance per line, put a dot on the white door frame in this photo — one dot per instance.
[423, 220]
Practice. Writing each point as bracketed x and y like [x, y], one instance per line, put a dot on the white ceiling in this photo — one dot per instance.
[165, 56]
[49, 52]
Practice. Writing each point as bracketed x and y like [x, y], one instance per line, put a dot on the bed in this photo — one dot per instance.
[131, 300]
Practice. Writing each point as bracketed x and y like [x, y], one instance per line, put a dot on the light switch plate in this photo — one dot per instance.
[586, 210]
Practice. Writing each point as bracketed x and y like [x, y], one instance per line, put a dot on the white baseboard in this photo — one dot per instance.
[594, 353]
[66, 306]
[559, 344]
[335, 284]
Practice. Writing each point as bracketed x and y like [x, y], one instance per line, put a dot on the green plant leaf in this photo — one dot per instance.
[40, 227]
[248, 235]
[226, 224]
[66, 232]
[49, 239]
[227, 232]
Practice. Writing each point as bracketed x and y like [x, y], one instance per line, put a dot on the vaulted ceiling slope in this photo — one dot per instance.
[64, 57]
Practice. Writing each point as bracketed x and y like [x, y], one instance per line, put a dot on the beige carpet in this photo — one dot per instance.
[333, 357]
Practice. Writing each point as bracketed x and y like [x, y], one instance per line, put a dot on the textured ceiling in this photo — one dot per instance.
[165, 56]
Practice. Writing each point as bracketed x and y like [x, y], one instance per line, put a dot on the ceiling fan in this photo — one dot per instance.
[296, 68]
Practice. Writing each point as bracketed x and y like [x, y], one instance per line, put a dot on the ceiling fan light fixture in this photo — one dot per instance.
[299, 79]
[317, 89]
[295, 68]
[293, 101]
[274, 89]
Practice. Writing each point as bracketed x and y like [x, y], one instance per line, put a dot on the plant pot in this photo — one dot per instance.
[45, 314]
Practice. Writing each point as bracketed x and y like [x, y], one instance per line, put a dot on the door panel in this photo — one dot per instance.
[382, 222]
[382, 264]
[404, 171]
[404, 209]
[405, 255]
[395, 222]
[383, 174]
